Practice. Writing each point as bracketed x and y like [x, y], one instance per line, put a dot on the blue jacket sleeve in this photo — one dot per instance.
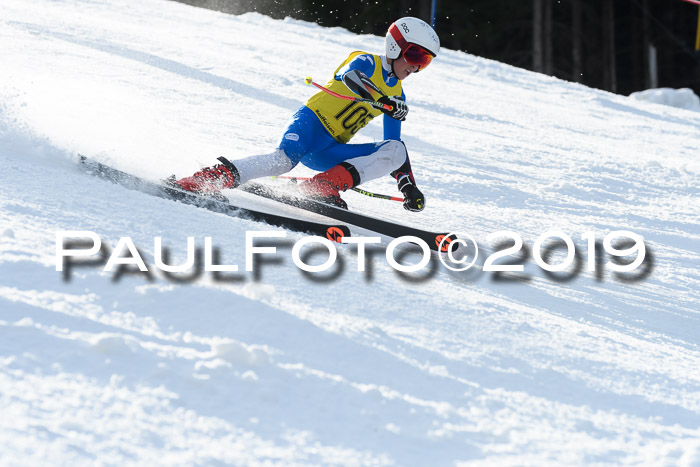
[392, 127]
[364, 63]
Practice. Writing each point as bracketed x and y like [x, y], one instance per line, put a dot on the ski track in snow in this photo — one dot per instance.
[365, 369]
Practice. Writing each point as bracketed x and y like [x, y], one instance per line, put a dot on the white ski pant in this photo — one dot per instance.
[388, 156]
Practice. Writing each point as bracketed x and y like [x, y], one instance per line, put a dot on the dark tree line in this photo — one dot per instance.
[617, 45]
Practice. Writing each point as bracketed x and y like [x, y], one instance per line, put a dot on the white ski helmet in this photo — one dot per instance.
[407, 32]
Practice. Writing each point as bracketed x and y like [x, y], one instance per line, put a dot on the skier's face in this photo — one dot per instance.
[402, 68]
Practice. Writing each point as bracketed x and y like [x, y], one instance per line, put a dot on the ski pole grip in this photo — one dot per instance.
[379, 105]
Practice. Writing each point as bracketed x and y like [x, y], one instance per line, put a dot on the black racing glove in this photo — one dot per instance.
[399, 109]
[413, 199]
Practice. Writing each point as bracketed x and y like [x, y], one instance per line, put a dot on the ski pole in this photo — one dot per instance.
[377, 195]
[371, 102]
[359, 190]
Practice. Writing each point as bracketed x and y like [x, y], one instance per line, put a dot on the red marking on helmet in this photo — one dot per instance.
[398, 37]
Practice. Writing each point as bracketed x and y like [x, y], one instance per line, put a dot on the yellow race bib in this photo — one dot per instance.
[343, 118]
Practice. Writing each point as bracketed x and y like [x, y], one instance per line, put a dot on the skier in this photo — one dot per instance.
[317, 133]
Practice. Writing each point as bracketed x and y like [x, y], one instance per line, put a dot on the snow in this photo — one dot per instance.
[273, 367]
[683, 98]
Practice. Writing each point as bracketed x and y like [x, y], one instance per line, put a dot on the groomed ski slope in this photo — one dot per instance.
[367, 368]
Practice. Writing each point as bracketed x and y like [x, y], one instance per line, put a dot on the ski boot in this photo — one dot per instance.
[179, 191]
[211, 179]
[326, 186]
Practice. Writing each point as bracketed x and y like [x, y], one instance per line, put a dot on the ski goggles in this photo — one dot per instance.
[415, 55]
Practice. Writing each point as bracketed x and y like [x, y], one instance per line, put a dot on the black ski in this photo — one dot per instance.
[388, 228]
[132, 182]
